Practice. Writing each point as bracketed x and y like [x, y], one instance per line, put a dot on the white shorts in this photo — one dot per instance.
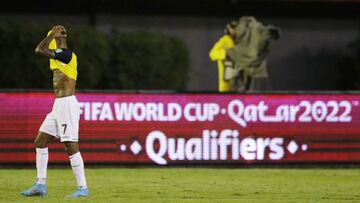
[63, 121]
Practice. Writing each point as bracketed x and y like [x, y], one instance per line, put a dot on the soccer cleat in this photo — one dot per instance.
[80, 192]
[36, 190]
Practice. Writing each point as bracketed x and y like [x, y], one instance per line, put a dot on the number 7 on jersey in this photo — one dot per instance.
[64, 125]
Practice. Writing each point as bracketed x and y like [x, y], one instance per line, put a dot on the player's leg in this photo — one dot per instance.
[68, 127]
[77, 165]
[48, 130]
[42, 156]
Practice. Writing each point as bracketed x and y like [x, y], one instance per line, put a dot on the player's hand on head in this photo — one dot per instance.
[58, 31]
[55, 31]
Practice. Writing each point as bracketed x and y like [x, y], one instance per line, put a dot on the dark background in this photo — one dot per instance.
[208, 8]
[317, 50]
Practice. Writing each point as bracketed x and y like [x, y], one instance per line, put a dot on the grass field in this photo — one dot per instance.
[190, 185]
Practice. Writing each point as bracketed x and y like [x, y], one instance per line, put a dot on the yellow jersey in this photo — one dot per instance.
[65, 60]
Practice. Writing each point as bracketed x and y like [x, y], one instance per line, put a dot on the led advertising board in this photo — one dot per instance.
[163, 129]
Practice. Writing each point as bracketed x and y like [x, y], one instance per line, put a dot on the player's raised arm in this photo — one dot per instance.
[43, 47]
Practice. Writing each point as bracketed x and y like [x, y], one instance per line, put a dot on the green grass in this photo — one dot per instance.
[191, 185]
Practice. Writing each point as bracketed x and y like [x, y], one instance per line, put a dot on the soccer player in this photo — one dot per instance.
[63, 121]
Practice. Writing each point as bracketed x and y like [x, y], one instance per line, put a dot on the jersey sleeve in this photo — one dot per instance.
[63, 55]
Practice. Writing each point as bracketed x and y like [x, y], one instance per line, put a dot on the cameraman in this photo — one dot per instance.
[219, 53]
